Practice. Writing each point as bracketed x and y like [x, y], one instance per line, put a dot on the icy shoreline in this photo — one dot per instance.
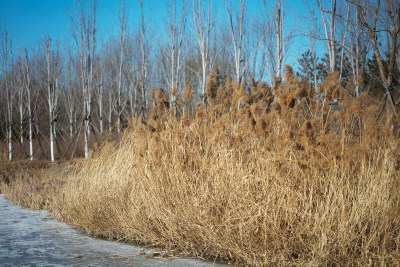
[32, 238]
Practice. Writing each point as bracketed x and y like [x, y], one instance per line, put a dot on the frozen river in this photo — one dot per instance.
[32, 238]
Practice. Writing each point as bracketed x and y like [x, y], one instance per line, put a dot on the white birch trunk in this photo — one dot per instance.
[28, 88]
[146, 41]
[50, 92]
[84, 26]
[203, 24]
[101, 107]
[278, 29]
[237, 33]
[110, 111]
[131, 103]
[330, 35]
[174, 48]
[21, 115]
[6, 52]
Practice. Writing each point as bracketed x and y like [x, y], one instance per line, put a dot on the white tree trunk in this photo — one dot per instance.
[101, 108]
[203, 22]
[84, 26]
[237, 34]
[110, 111]
[27, 84]
[87, 138]
[30, 137]
[278, 29]
[330, 36]
[50, 93]
[21, 117]
[10, 156]
[6, 51]
[175, 31]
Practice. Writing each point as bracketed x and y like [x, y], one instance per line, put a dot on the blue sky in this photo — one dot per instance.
[29, 20]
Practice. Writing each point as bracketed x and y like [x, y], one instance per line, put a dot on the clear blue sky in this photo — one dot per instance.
[29, 20]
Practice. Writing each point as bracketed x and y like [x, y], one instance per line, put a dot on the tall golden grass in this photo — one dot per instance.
[249, 180]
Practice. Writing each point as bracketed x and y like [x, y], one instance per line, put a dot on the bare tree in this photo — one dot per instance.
[358, 47]
[330, 33]
[237, 31]
[279, 38]
[312, 32]
[386, 18]
[107, 69]
[380, 21]
[6, 55]
[122, 19]
[53, 76]
[30, 96]
[275, 43]
[83, 21]
[174, 48]
[100, 95]
[387, 22]
[140, 68]
[71, 95]
[19, 84]
[203, 23]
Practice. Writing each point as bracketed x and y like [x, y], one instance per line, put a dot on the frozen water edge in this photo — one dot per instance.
[32, 238]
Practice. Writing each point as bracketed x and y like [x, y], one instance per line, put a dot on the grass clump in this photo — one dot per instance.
[249, 180]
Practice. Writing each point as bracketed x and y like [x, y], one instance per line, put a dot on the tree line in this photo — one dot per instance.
[90, 85]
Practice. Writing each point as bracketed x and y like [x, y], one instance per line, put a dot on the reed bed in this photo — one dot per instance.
[250, 178]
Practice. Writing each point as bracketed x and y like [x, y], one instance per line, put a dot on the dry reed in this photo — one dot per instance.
[289, 182]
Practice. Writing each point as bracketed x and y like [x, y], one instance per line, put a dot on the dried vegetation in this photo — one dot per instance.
[248, 179]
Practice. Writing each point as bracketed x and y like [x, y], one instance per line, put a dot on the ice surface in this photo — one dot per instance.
[32, 238]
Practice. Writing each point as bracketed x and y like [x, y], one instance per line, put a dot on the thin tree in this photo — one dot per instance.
[312, 31]
[379, 20]
[274, 42]
[237, 31]
[6, 54]
[330, 32]
[53, 69]
[21, 95]
[385, 18]
[100, 95]
[120, 105]
[145, 52]
[70, 99]
[30, 95]
[83, 20]
[174, 48]
[203, 23]
[279, 38]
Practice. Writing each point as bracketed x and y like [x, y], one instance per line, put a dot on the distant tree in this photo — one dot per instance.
[341, 63]
[19, 85]
[53, 68]
[275, 41]
[203, 23]
[380, 21]
[329, 21]
[372, 74]
[84, 32]
[6, 56]
[100, 92]
[121, 101]
[146, 40]
[31, 96]
[71, 95]
[307, 68]
[176, 29]
[237, 29]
